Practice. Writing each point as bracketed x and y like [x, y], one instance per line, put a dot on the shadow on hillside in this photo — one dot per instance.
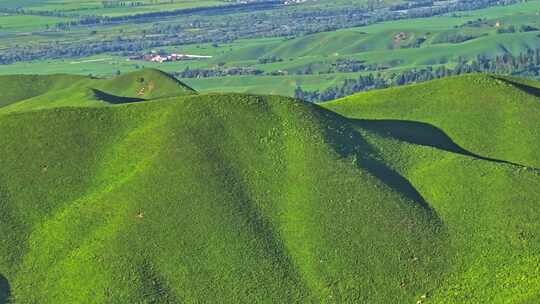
[5, 290]
[418, 133]
[525, 88]
[348, 143]
[113, 99]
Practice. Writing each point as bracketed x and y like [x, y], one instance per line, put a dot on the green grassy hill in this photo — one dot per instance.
[487, 115]
[32, 92]
[469, 145]
[236, 198]
[21, 87]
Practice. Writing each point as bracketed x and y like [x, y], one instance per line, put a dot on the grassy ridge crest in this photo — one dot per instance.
[399, 195]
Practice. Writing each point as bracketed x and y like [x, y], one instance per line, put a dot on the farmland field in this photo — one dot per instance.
[307, 61]
[96, 7]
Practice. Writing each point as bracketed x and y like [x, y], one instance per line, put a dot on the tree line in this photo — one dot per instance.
[526, 64]
[218, 71]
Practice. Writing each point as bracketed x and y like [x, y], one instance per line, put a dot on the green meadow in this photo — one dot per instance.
[138, 189]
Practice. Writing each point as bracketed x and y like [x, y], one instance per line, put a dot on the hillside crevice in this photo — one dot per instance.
[423, 134]
[5, 290]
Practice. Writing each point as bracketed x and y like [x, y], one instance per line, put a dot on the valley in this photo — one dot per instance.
[317, 61]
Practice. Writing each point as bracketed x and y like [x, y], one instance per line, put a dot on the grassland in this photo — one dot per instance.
[477, 119]
[504, 110]
[38, 92]
[424, 193]
[373, 45]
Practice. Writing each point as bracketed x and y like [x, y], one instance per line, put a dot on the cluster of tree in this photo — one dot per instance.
[411, 4]
[342, 65]
[455, 38]
[349, 66]
[217, 72]
[525, 64]
[270, 59]
[416, 43]
[512, 29]
[527, 28]
[349, 87]
[480, 22]
[114, 4]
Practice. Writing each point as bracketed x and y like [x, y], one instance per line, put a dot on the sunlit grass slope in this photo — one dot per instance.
[460, 142]
[32, 92]
[230, 198]
[490, 211]
[492, 116]
[215, 198]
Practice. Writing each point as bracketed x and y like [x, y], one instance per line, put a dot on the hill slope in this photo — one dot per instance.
[456, 140]
[161, 201]
[486, 205]
[246, 199]
[491, 116]
[32, 92]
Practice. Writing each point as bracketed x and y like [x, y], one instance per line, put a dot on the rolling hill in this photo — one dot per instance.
[488, 115]
[32, 92]
[231, 198]
[469, 145]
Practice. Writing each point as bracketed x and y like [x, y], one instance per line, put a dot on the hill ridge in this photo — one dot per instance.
[460, 106]
[219, 159]
[40, 92]
[243, 198]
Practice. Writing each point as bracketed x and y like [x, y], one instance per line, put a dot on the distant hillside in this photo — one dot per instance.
[230, 198]
[31, 92]
[492, 116]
